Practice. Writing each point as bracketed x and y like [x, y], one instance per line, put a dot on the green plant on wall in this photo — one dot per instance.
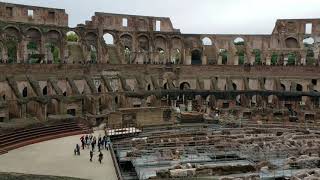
[310, 60]
[32, 48]
[274, 59]
[12, 51]
[55, 51]
[241, 57]
[93, 54]
[257, 54]
[72, 37]
[291, 59]
[224, 54]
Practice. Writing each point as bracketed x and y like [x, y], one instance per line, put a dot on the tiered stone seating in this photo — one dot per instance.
[25, 137]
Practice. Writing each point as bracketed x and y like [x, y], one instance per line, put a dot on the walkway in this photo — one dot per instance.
[56, 157]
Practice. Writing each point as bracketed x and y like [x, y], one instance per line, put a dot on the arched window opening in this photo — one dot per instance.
[12, 51]
[206, 41]
[65, 93]
[165, 86]
[234, 86]
[274, 59]
[33, 53]
[291, 59]
[224, 56]
[257, 54]
[72, 36]
[4, 97]
[149, 87]
[25, 92]
[299, 88]
[308, 42]
[185, 86]
[99, 89]
[241, 57]
[310, 59]
[45, 91]
[238, 41]
[116, 100]
[291, 43]
[108, 39]
[93, 54]
[283, 87]
[196, 57]
[162, 55]
[127, 54]
[176, 57]
[53, 53]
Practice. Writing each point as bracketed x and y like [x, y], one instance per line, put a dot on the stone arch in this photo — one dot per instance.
[196, 57]
[234, 86]
[223, 53]
[91, 38]
[160, 42]
[185, 86]
[176, 56]
[143, 41]
[25, 92]
[72, 36]
[126, 40]
[239, 41]
[309, 41]
[291, 43]
[108, 39]
[33, 38]
[53, 46]
[206, 41]
[299, 88]
[45, 91]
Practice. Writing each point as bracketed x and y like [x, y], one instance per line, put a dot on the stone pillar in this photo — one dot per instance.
[235, 60]
[252, 60]
[303, 59]
[268, 60]
[204, 60]
[189, 105]
[220, 60]
[285, 60]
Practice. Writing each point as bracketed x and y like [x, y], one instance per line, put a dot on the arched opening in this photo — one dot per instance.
[165, 86]
[72, 36]
[53, 52]
[224, 56]
[196, 57]
[162, 55]
[149, 87]
[108, 39]
[238, 100]
[206, 41]
[257, 54]
[185, 86]
[4, 97]
[65, 93]
[99, 89]
[33, 37]
[127, 54]
[176, 57]
[291, 43]
[283, 87]
[25, 92]
[291, 59]
[143, 43]
[116, 100]
[11, 43]
[238, 41]
[274, 59]
[299, 88]
[93, 54]
[45, 91]
[308, 42]
[234, 86]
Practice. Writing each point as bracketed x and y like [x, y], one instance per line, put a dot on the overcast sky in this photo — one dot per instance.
[194, 16]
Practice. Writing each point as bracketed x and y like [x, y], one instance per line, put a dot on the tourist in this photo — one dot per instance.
[92, 145]
[78, 149]
[104, 141]
[82, 142]
[86, 139]
[91, 155]
[100, 157]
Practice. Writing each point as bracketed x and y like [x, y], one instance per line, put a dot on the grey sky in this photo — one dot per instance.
[194, 16]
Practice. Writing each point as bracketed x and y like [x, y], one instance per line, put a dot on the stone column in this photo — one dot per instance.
[189, 108]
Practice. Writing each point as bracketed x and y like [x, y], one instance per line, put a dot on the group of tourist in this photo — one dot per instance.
[90, 141]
